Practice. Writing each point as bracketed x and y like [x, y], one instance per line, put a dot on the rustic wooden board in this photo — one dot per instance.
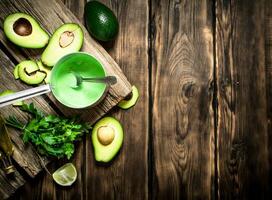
[268, 69]
[127, 176]
[243, 140]
[42, 187]
[182, 89]
[24, 154]
[9, 184]
[51, 14]
[57, 15]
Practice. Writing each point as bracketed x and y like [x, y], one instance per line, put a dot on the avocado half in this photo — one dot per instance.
[8, 92]
[23, 30]
[67, 39]
[107, 138]
[28, 72]
[131, 101]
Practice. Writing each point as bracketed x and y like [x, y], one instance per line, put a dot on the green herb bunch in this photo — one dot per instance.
[52, 135]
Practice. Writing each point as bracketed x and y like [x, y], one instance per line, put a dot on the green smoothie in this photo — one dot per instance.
[63, 80]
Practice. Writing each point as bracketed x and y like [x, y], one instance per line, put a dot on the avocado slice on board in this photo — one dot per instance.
[45, 69]
[67, 39]
[29, 73]
[131, 101]
[8, 92]
[23, 30]
[107, 138]
[15, 72]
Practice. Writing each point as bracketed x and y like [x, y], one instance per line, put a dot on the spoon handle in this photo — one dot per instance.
[25, 94]
[108, 79]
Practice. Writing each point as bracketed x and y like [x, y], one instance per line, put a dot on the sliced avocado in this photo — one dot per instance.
[28, 72]
[23, 30]
[100, 21]
[15, 72]
[46, 70]
[68, 38]
[107, 138]
[131, 101]
[8, 92]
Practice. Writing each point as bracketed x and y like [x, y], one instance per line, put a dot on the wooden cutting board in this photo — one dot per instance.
[50, 14]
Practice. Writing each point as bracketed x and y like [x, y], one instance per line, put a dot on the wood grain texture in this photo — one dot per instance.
[51, 14]
[127, 176]
[9, 184]
[243, 165]
[24, 154]
[43, 186]
[182, 89]
[268, 67]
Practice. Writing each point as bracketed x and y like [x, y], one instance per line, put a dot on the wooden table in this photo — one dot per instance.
[202, 126]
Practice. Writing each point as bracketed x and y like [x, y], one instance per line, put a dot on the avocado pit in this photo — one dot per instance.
[105, 135]
[22, 27]
[66, 39]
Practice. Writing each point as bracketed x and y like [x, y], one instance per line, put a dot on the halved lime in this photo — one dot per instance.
[65, 175]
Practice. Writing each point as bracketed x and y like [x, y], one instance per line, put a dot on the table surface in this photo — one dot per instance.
[202, 126]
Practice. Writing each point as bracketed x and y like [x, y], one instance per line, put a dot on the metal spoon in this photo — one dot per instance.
[110, 80]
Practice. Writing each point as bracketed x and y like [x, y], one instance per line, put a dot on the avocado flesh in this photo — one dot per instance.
[8, 92]
[126, 104]
[67, 39]
[46, 70]
[23, 30]
[105, 153]
[28, 72]
[15, 72]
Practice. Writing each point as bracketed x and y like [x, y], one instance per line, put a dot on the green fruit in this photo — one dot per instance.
[67, 39]
[8, 92]
[126, 104]
[23, 30]
[65, 175]
[107, 138]
[29, 73]
[46, 70]
[100, 21]
[15, 72]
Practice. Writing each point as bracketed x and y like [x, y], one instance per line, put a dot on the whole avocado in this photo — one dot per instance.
[100, 21]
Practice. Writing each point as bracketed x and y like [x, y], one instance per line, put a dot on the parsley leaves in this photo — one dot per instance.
[52, 135]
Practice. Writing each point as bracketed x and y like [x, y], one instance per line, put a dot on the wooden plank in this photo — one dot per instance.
[127, 176]
[182, 89]
[24, 154]
[8, 185]
[44, 187]
[51, 14]
[268, 68]
[243, 165]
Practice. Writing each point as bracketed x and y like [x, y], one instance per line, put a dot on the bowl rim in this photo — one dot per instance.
[97, 100]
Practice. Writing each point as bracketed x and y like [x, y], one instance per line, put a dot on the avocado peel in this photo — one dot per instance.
[128, 103]
[101, 22]
[29, 73]
[46, 70]
[107, 139]
[24, 31]
[15, 72]
[66, 39]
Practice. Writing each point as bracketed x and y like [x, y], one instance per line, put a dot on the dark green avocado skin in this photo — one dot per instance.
[100, 21]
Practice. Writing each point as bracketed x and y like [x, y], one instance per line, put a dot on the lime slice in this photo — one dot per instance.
[65, 175]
